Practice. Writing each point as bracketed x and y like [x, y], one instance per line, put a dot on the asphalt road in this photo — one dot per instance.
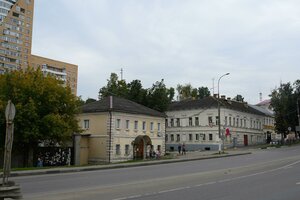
[265, 174]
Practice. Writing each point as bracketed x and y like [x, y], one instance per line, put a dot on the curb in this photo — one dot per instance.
[117, 166]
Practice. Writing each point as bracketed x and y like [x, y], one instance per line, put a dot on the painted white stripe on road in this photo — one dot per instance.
[211, 183]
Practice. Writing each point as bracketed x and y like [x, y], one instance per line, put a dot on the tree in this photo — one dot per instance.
[90, 100]
[136, 92]
[184, 91]
[114, 87]
[284, 103]
[45, 110]
[203, 92]
[239, 98]
[159, 97]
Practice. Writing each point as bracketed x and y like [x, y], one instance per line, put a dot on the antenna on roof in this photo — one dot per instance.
[260, 97]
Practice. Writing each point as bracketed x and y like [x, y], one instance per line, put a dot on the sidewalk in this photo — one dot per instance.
[189, 156]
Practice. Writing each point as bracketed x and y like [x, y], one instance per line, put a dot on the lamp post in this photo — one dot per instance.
[219, 117]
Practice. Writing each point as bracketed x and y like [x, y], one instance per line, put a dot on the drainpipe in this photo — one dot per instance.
[110, 122]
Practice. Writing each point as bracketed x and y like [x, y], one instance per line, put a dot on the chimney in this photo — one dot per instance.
[223, 97]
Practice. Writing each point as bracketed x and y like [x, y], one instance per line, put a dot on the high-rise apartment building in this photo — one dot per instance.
[16, 22]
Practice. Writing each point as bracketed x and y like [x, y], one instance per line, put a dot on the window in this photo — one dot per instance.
[229, 121]
[151, 126]
[172, 137]
[127, 124]
[203, 136]
[237, 122]
[226, 121]
[245, 123]
[217, 120]
[144, 126]
[118, 123]
[136, 125]
[241, 122]
[191, 137]
[166, 122]
[118, 149]
[178, 122]
[210, 137]
[166, 137]
[210, 123]
[127, 149]
[234, 121]
[158, 127]
[196, 121]
[190, 121]
[177, 138]
[197, 137]
[172, 122]
[86, 124]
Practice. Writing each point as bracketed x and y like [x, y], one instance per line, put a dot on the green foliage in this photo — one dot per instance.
[45, 110]
[284, 102]
[188, 92]
[158, 97]
[238, 98]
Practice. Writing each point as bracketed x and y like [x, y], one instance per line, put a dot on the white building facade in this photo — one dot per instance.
[194, 123]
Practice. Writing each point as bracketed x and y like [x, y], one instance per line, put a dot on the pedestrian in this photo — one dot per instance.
[183, 149]
[40, 162]
[179, 148]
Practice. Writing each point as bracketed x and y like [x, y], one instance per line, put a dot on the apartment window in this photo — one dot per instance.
[241, 122]
[151, 126]
[190, 121]
[197, 137]
[226, 121]
[233, 121]
[127, 149]
[166, 122]
[245, 123]
[166, 137]
[127, 124]
[118, 149]
[196, 121]
[118, 123]
[210, 137]
[177, 138]
[190, 137]
[229, 121]
[136, 125]
[144, 126]
[86, 124]
[158, 127]
[217, 120]
[172, 137]
[251, 123]
[203, 136]
[178, 122]
[237, 122]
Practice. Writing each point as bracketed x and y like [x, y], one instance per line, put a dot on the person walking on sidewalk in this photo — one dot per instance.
[183, 149]
[179, 148]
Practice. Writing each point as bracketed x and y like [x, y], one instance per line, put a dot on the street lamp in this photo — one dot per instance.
[219, 118]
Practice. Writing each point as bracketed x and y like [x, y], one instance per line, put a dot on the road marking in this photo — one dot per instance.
[210, 183]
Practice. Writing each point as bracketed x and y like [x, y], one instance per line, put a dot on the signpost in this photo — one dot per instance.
[8, 189]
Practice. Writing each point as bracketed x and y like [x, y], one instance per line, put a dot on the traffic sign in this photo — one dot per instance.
[10, 111]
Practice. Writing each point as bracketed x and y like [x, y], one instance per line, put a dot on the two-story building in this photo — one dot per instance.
[116, 129]
[194, 123]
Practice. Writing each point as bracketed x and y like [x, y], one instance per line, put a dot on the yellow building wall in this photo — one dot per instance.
[84, 150]
[122, 136]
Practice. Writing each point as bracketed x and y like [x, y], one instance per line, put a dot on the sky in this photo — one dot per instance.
[180, 41]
